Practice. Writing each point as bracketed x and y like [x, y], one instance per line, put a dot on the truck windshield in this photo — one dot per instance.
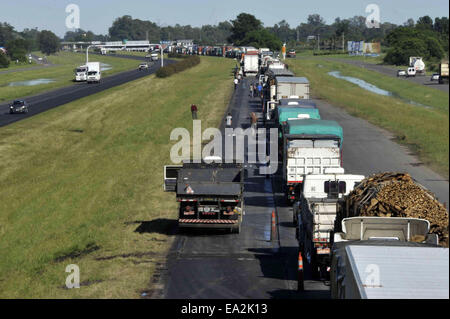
[81, 70]
[92, 72]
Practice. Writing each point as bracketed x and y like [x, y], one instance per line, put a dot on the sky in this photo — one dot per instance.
[98, 15]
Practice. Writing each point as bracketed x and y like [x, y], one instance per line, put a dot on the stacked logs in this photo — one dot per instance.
[397, 195]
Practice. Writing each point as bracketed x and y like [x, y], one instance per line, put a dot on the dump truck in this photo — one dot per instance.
[315, 212]
[210, 195]
[443, 72]
[381, 258]
[309, 147]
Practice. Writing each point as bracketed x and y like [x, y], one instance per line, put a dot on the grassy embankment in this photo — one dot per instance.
[425, 130]
[85, 179]
[62, 73]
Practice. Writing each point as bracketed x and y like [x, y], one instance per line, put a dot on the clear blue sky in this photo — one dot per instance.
[98, 15]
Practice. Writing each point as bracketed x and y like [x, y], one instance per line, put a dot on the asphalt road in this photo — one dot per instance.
[249, 265]
[48, 100]
[391, 71]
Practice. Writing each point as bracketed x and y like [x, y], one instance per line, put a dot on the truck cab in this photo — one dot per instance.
[81, 73]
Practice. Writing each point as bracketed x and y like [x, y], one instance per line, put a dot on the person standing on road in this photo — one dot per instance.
[259, 89]
[194, 111]
[228, 119]
[251, 90]
[254, 122]
[236, 81]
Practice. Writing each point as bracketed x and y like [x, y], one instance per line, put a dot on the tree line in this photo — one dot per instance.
[425, 38]
[19, 44]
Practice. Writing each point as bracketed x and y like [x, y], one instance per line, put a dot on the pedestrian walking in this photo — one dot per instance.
[251, 90]
[236, 81]
[228, 119]
[259, 89]
[194, 111]
[254, 122]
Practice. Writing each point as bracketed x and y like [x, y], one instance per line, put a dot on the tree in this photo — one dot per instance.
[48, 42]
[17, 49]
[4, 60]
[243, 24]
[425, 22]
[262, 39]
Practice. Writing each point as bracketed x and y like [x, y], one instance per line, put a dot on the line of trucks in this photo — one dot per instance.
[362, 256]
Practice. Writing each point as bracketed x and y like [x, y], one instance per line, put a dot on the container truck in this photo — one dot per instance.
[291, 86]
[315, 212]
[309, 147]
[94, 73]
[270, 97]
[378, 258]
[210, 195]
[418, 64]
[251, 63]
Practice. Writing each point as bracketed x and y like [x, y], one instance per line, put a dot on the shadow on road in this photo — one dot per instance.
[160, 226]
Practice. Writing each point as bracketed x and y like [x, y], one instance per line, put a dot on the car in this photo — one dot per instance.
[435, 77]
[411, 72]
[18, 106]
[143, 66]
[401, 73]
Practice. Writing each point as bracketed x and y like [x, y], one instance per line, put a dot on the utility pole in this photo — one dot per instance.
[343, 42]
[87, 53]
[298, 35]
[162, 56]
[318, 42]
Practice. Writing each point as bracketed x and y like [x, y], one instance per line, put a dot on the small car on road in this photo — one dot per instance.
[143, 66]
[401, 73]
[435, 77]
[18, 106]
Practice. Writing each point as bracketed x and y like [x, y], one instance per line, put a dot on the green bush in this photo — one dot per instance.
[4, 60]
[171, 69]
[177, 56]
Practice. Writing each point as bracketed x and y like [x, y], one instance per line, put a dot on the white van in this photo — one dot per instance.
[94, 73]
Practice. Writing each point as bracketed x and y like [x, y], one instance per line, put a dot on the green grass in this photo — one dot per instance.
[20, 65]
[62, 73]
[426, 131]
[79, 180]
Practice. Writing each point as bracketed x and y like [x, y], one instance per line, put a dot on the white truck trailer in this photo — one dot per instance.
[251, 63]
[310, 146]
[94, 73]
[291, 86]
[377, 258]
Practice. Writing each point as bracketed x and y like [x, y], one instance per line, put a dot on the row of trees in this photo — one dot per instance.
[425, 38]
[18, 44]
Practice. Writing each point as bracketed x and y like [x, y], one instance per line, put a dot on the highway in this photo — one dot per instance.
[250, 265]
[392, 71]
[48, 100]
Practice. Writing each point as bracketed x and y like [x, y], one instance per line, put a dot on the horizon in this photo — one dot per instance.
[206, 13]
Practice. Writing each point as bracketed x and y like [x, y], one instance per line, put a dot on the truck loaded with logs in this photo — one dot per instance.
[386, 238]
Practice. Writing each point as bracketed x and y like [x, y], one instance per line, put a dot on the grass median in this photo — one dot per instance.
[424, 130]
[83, 185]
[61, 73]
